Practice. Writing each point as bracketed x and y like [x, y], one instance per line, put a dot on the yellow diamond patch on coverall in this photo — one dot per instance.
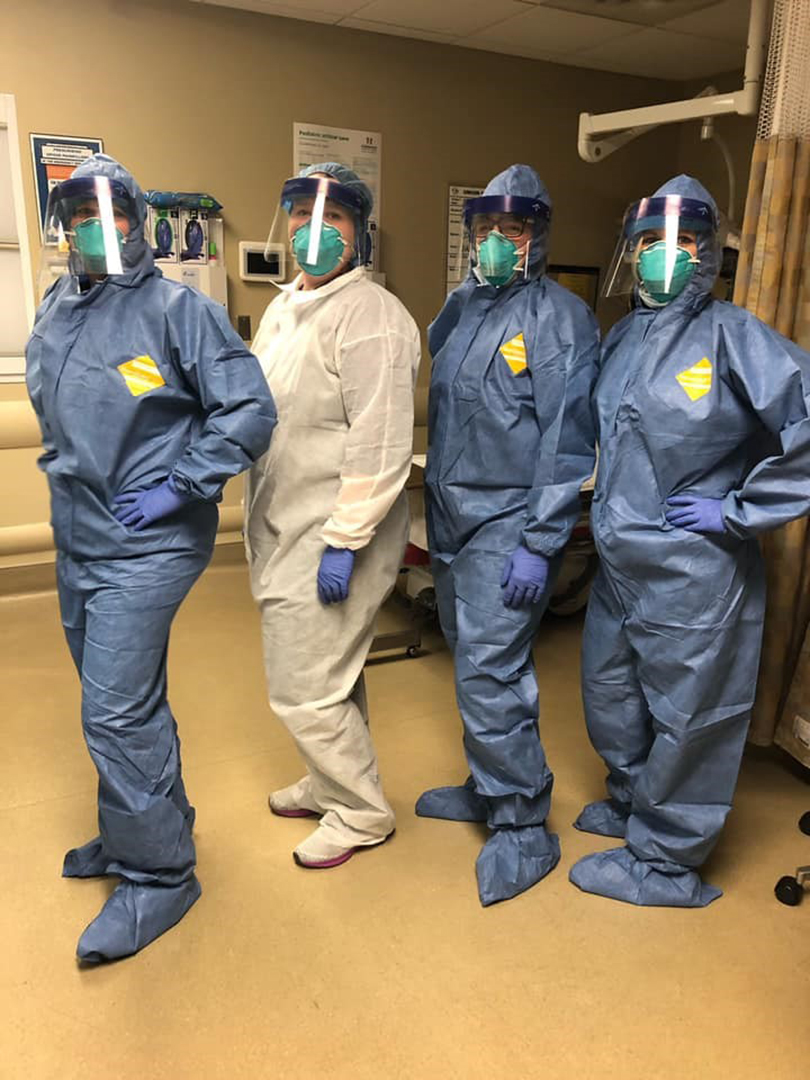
[697, 380]
[514, 353]
[141, 375]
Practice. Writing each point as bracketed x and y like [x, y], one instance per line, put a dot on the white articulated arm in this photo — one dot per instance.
[600, 135]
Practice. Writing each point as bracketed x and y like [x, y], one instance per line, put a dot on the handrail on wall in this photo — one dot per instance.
[19, 429]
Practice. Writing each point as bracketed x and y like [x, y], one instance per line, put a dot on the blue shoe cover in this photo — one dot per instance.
[86, 861]
[513, 860]
[89, 860]
[604, 818]
[453, 803]
[619, 875]
[134, 916]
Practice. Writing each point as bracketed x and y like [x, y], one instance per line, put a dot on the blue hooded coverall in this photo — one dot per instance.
[511, 442]
[195, 408]
[674, 624]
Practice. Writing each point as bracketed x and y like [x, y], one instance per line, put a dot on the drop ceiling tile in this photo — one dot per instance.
[313, 10]
[645, 12]
[558, 32]
[521, 48]
[396, 31]
[452, 17]
[663, 54]
[727, 21]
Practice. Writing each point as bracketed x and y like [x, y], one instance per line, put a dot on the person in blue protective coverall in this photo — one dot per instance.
[148, 402]
[511, 441]
[704, 433]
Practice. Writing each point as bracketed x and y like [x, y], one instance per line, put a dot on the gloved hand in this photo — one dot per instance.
[524, 578]
[334, 574]
[695, 514]
[137, 509]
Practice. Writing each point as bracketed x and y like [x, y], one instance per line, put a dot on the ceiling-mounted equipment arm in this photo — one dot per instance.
[600, 135]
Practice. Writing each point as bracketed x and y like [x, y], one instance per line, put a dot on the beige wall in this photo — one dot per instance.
[191, 96]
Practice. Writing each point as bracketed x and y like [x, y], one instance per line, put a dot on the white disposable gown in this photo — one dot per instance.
[341, 361]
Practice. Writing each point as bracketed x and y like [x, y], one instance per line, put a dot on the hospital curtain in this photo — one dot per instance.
[773, 282]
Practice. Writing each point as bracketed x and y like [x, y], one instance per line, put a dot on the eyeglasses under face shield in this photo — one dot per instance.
[499, 231]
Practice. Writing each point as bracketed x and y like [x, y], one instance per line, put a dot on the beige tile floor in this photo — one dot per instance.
[387, 968]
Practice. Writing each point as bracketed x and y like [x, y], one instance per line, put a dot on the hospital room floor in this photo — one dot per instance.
[386, 968]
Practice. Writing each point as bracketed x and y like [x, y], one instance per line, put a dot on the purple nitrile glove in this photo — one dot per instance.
[524, 578]
[138, 509]
[695, 514]
[334, 574]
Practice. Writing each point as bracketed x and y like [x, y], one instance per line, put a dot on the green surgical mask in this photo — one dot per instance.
[652, 272]
[498, 258]
[330, 249]
[89, 238]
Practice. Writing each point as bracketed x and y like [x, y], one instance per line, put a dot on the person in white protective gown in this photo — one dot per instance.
[326, 510]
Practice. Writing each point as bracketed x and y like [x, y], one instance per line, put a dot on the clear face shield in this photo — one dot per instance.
[658, 247]
[87, 222]
[320, 222]
[503, 231]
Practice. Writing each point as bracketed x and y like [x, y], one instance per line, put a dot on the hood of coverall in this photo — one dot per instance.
[349, 179]
[136, 253]
[708, 244]
[523, 180]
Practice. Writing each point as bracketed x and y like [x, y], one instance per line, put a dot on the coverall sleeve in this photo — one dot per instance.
[238, 409]
[773, 374]
[377, 374]
[562, 388]
[49, 451]
[33, 380]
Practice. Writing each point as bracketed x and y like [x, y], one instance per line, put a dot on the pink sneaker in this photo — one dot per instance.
[324, 864]
[318, 852]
